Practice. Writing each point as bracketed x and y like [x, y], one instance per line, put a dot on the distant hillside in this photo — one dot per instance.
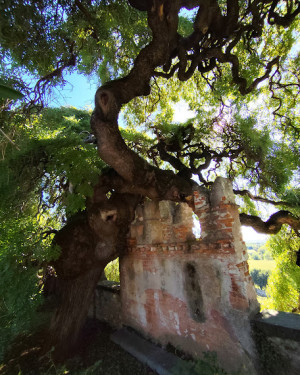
[257, 250]
[259, 242]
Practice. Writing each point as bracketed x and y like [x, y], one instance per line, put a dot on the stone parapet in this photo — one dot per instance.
[277, 336]
[106, 304]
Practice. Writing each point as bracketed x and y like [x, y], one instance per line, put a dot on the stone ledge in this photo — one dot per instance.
[279, 324]
[153, 356]
[111, 286]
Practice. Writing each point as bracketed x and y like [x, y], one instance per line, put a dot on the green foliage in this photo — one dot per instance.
[259, 251]
[9, 93]
[292, 196]
[265, 155]
[185, 26]
[56, 30]
[48, 171]
[138, 141]
[206, 366]
[247, 127]
[55, 167]
[112, 271]
[22, 252]
[284, 283]
[105, 37]
[260, 278]
[49, 178]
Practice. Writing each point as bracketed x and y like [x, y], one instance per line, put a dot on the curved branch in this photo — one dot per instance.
[261, 199]
[138, 174]
[165, 45]
[235, 69]
[142, 5]
[166, 75]
[273, 224]
[287, 19]
[156, 183]
[206, 65]
[12, 142]
[44, 82]
[175, 162]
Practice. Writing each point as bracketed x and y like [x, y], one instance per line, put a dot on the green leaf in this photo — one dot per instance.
[9, 93]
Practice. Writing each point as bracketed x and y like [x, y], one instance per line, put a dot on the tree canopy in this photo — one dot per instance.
[233, 64]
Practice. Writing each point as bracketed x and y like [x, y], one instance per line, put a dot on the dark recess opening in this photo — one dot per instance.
[193, 292]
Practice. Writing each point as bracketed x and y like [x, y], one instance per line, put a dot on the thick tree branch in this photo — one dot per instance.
[156, 183]
[142, 5]
[175, 162]
[212, 31]
[273, 224]
[244, 88]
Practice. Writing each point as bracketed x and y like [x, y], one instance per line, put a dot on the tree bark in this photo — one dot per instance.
[273, 224]
[88, 242]
[75, 299]
[137, 172]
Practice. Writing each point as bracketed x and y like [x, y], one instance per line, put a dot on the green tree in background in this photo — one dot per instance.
[233, 63]
[260, 277]
[35, 185]
[283, 287]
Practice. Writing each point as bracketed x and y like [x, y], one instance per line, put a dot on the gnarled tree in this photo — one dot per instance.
[223, 54]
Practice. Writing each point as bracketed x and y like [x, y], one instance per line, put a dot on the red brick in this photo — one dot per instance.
[238, 302]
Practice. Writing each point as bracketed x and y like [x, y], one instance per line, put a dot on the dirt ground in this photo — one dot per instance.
[95, 354]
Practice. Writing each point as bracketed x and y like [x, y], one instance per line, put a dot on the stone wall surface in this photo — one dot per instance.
[195, 294]
[278, 340]
[106, 305]
[198, 294]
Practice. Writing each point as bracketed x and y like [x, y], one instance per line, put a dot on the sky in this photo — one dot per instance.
[249, 235]
[79, 92]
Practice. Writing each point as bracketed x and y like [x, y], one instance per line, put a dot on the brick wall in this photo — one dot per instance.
[195, 294]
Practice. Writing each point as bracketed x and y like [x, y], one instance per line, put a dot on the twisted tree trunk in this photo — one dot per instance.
[75, 299]
[88, 242]
[94, 238]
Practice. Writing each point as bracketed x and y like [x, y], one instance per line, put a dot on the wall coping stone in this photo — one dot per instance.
[279, 324]
[111, 286]
[159, 360]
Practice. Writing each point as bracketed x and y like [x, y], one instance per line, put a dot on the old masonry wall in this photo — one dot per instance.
[195, 294]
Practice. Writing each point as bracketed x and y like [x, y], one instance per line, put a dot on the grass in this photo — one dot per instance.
[264, 265]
